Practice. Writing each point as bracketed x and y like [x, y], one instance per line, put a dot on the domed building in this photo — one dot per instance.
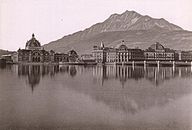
[122, 47]
[125, 54]
[157, 47]
[34, 52]
[159, 52]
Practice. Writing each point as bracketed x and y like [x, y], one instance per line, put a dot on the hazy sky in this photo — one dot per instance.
[52, 19]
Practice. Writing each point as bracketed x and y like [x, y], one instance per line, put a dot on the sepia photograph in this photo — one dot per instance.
[95, 65]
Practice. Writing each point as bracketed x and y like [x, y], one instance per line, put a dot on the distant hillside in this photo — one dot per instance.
[135, 29]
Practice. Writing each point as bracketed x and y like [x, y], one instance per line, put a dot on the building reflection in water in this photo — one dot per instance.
[35, 72]
[152, 74]
[72, 71]
[2, 66]
[34, 76]
[156, 76]
[124, 98]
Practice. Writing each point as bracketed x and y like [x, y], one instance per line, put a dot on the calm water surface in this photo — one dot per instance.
[95, 97]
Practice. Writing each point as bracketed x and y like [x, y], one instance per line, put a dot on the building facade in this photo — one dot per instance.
[125, 54]
[99, 53]
[185, 55]
[8, 58]
[159, 52]
[61, 57]
[87, 58]
[111, 55]
[35, 53]
[73, 56]
[120, 54]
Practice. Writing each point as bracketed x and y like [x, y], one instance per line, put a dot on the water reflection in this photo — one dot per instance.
[72, 71]
[35, 72]
[2, 66]
[155, 75]
[71, 95]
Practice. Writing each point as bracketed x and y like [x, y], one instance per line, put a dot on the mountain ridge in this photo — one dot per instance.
[128, 21]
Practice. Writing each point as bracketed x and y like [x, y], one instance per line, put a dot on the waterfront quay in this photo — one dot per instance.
[154, 63]
[129, 63]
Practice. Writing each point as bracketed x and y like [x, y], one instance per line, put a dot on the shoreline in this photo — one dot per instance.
[129, 63]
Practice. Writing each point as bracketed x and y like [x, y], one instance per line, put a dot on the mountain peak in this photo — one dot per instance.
[126, 13]
[130, 12]
[131, 20]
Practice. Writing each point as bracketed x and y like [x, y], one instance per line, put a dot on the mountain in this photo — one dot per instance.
[135, 29]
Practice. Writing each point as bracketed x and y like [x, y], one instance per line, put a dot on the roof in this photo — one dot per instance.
[72, 52]
[122, 47]
[157, 46]
[33, 42]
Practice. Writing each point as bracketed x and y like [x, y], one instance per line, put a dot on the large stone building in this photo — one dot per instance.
[73, 56]
[87, 58]
[121, 54]
[184, 56]
[34, 52]
[111, 55]
[125, 54]
[99, 53]
[159, 52]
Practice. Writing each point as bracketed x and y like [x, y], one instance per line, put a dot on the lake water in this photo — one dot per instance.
[38, 97]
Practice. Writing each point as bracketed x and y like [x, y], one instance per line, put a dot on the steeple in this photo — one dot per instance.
[33, 35]
[102, 45]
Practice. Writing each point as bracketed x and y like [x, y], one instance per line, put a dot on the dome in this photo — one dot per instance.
[72, 52]
[157, 46]
[32, 43]
[122, 47]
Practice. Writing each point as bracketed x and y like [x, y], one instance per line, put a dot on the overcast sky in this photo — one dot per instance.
[52, 19]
